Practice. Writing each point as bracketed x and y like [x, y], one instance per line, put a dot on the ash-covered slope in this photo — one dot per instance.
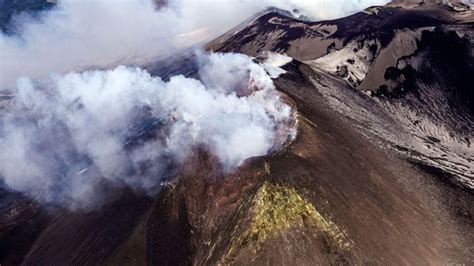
[411, 63]
[336, 195]
[331, 197]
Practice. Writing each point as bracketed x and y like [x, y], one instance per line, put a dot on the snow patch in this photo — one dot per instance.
[351, 63]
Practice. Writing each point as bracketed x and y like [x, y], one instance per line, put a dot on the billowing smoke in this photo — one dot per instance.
[68, 137]
[63, 138]
[79, 34]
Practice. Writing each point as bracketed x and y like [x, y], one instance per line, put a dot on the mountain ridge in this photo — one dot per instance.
[372, 177]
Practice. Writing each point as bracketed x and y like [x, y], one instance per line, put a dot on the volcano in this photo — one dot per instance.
[381, 170]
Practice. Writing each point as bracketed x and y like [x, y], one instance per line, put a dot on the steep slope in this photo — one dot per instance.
[338, 194]
[412, 58]
[330, 197]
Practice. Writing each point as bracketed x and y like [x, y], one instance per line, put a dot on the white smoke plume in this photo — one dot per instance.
[66, 136]
[79, 34]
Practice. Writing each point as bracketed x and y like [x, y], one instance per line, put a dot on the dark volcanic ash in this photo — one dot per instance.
[70, 136]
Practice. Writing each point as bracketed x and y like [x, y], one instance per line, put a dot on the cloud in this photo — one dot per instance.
[71, 136]
[82, 34]
[326, 9]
